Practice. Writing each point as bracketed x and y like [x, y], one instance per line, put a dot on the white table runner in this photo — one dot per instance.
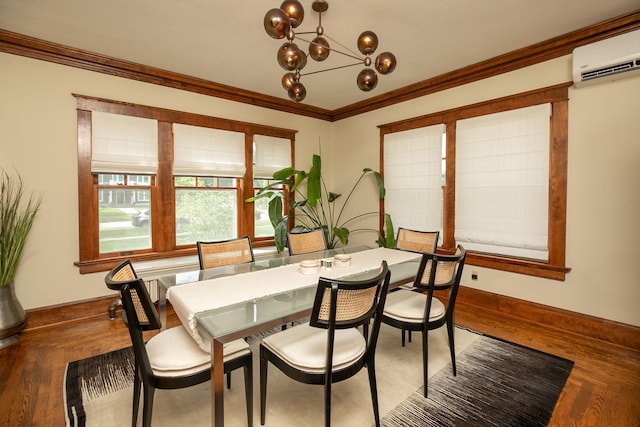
[197, 297]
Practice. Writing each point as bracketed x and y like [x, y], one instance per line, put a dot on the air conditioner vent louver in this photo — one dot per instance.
[610, 59]
[612, 69]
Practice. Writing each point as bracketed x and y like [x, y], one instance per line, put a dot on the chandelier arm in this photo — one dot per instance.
[355, 55]
[330, 69]
[347, 54]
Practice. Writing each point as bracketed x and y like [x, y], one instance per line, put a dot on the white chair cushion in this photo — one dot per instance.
[408, 306]
[304, 347]
[173, 352]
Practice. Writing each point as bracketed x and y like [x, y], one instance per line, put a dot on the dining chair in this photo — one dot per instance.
[419, 310]
[224, 252]
[417, 241]
[171, 359]
[119, 274]
[330, 348]
[309, 241]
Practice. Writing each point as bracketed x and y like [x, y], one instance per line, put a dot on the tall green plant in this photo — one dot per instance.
[316, 208]
[16, 218]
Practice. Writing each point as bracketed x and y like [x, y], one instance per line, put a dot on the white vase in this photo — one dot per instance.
[12, 316]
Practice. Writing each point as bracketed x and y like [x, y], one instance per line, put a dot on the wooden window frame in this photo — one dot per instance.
[163, 192]
[558, 97]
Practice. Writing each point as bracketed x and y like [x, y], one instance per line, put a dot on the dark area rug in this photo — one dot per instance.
[498, 384]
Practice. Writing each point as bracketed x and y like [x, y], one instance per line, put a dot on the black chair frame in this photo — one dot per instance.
[144, 376]
[429, 288]
[333, 376]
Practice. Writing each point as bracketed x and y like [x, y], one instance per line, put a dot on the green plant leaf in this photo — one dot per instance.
[299, 179]
[314, 187]
[342, 234]
[283, 174]
[390, 237]
[260, 195]
[275, 211]
[381, 190]
[280, 236]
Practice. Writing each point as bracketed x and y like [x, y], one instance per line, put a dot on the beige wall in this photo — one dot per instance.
[39, 139]
[603, 223]
[38, 123]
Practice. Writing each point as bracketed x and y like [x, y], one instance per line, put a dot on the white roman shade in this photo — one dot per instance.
[413, 178]
[271, 155]
[121, 144]
[502, 182]
[200, 151]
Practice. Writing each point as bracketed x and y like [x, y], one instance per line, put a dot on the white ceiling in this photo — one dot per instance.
[224, 40]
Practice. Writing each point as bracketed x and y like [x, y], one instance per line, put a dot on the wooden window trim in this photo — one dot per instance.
[162, 194]
[558, 97]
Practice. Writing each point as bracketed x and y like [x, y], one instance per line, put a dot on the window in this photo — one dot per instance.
[205, 209]
[124, 216]
[263, 227]
[503, 195]
[413, 177]
[152, 182]
[502, 182]
[269, 155]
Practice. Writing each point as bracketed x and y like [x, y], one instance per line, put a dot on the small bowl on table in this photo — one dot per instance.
[309, 266]
[342, 260]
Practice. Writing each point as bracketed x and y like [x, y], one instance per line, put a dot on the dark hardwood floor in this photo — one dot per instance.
[602, 390]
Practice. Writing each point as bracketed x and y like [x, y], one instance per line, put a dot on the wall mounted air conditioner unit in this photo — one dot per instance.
[610, 59]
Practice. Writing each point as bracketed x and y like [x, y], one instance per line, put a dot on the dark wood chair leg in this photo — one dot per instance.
[425, 359]
[374, 391]
[452, 346]
[136, 397]
[147, 410]
[327, 403]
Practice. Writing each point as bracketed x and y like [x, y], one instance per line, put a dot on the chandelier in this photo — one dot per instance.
[280, 23]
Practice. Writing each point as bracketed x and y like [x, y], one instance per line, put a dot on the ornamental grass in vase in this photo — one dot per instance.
[17, 213]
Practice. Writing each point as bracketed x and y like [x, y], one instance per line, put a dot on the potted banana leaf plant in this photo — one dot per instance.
[17, 213]
[315, 207]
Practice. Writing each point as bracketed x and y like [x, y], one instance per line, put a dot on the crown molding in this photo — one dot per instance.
[22, 45]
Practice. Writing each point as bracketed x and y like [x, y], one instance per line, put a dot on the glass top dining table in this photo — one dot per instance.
[252, 315]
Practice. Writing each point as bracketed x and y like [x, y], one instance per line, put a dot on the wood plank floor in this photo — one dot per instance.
[602, 390]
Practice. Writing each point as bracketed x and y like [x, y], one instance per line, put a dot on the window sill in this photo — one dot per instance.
[516, 265]
[157, 264]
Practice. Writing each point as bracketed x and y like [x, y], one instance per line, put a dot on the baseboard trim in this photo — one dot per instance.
[56, 315]
[593, 327]
[590, 326]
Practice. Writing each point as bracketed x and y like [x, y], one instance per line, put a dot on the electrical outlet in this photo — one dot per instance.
[474, 275]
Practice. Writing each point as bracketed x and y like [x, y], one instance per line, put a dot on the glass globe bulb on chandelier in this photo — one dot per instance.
[280, 23]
